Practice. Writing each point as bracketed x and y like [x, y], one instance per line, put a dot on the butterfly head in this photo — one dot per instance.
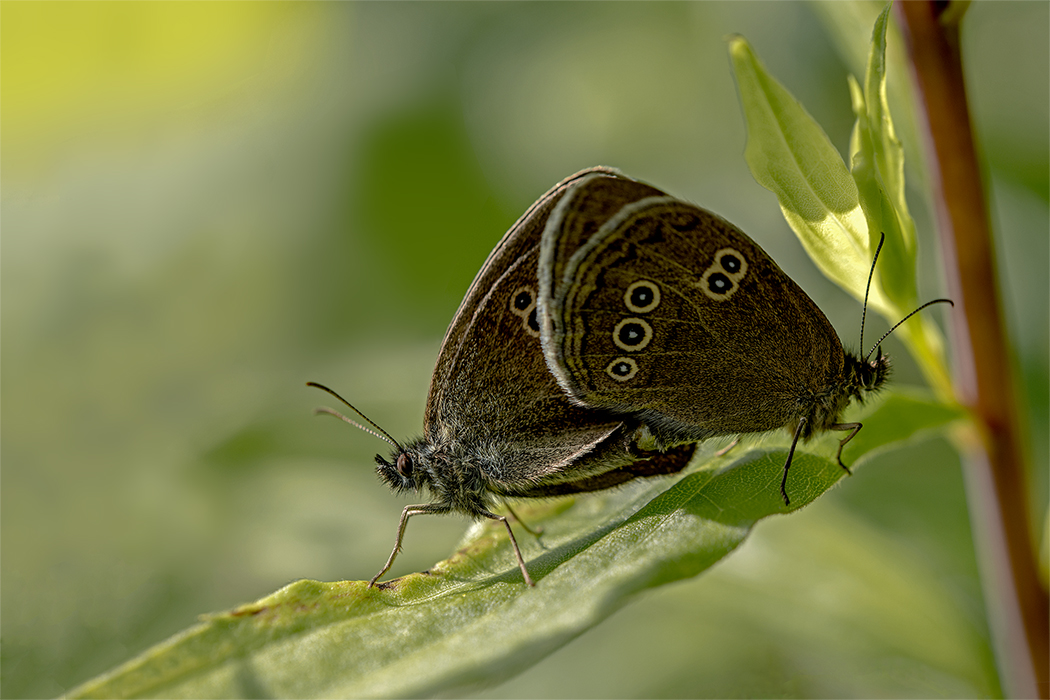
[423, 464]
[865, 375]
[403, 472]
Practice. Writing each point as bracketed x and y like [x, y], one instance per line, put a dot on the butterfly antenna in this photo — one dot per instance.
[897, 325]
[867, 289]
[381, 434]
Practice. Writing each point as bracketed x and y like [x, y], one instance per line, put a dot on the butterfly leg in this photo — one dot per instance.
[535, 532]
[407, 513]
[855, 428]
[787, 464]
[513, 543]
[728, 447]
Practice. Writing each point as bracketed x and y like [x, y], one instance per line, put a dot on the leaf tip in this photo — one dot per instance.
[739, 49]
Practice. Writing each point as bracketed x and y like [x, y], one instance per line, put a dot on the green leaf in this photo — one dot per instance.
[790, 155]
[470, 621]
[877, 163]
[848, 26]
[877, 159]
[838, 215]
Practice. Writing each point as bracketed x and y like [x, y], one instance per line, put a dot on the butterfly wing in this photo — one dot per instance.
[669, 313]
[493, 402]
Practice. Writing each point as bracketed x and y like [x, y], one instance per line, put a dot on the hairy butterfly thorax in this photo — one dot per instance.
[822, 410]
[611, 329]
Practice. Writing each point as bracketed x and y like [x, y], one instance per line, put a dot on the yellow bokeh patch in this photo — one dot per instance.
[81, 70]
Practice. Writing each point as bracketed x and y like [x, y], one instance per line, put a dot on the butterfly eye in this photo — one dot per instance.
[404, 465]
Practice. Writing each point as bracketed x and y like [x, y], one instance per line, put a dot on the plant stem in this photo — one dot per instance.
[993, 454]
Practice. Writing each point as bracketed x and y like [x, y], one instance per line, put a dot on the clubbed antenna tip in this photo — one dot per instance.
[378, 432]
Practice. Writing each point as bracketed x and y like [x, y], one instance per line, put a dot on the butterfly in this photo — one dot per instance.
[611, 329]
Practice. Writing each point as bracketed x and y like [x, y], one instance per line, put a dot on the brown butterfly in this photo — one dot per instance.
[611, 329]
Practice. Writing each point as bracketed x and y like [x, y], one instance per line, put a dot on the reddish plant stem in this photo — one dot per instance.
[984, 381]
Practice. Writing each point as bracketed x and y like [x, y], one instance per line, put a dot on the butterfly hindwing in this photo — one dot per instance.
[492, 397]
[672, 314]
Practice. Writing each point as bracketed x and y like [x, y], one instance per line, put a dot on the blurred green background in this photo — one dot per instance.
[206, 205]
